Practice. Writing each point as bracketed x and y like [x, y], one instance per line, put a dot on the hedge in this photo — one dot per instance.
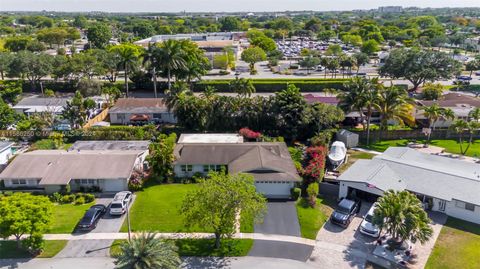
[276, 85]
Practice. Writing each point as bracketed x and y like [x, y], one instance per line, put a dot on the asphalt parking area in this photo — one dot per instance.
[339, 247]
[281, 219]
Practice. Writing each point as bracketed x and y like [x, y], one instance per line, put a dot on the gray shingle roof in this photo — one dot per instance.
[139, 106]
[40, 101]
[405, 168]
[110, 145]
[4, 145]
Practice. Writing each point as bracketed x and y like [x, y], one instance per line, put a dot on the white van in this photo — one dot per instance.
[120, 203]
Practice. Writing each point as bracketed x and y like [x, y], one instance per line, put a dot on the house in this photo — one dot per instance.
[315, 98]
[32, 105]
[5, 152]
[461, 105]
[446, 185]
[269, 163]
[118, 145]
[140, 110]
[52, 170]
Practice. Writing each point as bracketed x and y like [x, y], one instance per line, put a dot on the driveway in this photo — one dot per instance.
[281, 219]
[95, 248]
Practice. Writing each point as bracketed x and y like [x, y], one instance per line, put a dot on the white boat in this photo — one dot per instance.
[337, 154]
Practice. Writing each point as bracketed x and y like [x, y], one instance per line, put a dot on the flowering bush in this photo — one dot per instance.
[314, 170]
[136, 180]
[249, 134]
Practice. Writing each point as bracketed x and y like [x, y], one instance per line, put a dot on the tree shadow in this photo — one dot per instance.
[205, 262]
[13, 263]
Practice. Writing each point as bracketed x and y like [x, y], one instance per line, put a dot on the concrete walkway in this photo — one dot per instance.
[114, 236]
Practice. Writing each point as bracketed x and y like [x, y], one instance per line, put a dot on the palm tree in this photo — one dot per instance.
[150, 60]
[474, 115]
[462, 127]
[401, 215]
[171, 56]
[434, 113]
[171, 95]
[129, 55]
[394, 104]
[243, 87]
[147, 252]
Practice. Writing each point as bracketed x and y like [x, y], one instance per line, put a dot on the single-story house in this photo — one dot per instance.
[461, 105]
[119, 145]
[447, 185]
[32, 105]
[269, 163]
[131, 110]
[5, 152]
[52, 170]
[210, 138]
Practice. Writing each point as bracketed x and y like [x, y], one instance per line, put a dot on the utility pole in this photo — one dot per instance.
[128, 222]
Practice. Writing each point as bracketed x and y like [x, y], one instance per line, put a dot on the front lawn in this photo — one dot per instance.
[8, 249]
[202, 247]
[451, 146]
[66, 217]
[312, 219]
[457, 246]
[157, 208]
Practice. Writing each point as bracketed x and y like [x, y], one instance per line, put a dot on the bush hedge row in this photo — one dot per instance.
[275, 85]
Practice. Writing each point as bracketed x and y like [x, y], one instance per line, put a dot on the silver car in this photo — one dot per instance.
[120, 203]
[367, 227]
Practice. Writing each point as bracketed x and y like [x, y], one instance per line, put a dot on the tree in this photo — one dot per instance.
[219, 199]
[148, 252]
[31, 66]
[401, 214]
[243, 87]
[128, 55]
[170, 56]
[5, 59]
[161, 156]
[434, 113]
[323, 117]
[361, 59]
[99, 34]
[432, 91]
[369, 47]
[77, 110]
[52, 36]
[229, 24]
[462, 127]
[80, 22]
[264, 42]
[17, 43]
[309, 62]
[350, 39]
[334, 50]
[111, 93]
[24, 214]
[418, 66]
[472, 66]
[312, 191]
[393, 103]
[10, 91]
[252, 56]
[290, 109]
[7, 115]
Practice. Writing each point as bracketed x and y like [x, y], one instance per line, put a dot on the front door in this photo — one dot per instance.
[441, 205]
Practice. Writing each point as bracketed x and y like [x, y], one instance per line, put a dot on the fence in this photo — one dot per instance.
[100, 117]
[409, 134]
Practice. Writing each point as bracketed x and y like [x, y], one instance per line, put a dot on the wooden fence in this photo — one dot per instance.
[100, 117]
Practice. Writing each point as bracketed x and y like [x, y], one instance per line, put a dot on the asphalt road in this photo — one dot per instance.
[281, 219]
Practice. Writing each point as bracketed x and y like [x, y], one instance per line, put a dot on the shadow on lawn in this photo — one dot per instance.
[462, 225]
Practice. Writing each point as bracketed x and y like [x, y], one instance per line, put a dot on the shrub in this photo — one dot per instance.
[135, 184]
[56, 197]
[89, 198]
[295, 193]
[276, 85]
[312, 191]
[80, 200]
[249, 134]
[314, 169]
[322, 138]
[67, 199]
[34, 243]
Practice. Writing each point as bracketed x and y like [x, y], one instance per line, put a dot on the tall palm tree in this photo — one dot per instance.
[171, 95]
[243, 87]
[147, 252]
[129, 54]
[394, 104]
[462, 127]
[475, 114]
[171, 56]
[433, 114]
[150, 60]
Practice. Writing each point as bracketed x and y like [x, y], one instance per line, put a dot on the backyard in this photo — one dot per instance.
[458, 246]
[354, 156]
[312, 219]
[8, 250]
[66, 217]
[451, 146]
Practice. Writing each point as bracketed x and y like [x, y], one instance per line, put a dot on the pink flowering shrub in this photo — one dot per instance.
[315, 164]
[249, 134]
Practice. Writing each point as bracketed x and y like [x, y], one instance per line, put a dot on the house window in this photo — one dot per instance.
[84, 181]
[91, 181]
[157, 116]
[212, 167]
[466, 206]
[187, 168]
[19, 182]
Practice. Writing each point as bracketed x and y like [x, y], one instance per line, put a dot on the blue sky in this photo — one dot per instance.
[219, 5]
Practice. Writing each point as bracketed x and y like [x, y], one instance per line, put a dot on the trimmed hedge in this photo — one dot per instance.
[276, 85]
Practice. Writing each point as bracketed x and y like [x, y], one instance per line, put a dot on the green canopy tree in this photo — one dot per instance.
[7, 115]
[243, 87]
[99, 34]
[128, 55]
[309, 62]
[5, 60]
[219, 199]
[393, 103]
[252, 56]
[290, 107]
[31, 66]
[161, 156]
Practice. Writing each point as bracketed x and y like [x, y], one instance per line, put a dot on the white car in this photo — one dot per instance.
[120, 203]
[367, 227]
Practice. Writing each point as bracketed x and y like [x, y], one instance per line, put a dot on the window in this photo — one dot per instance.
[466, 206]
[187, 168]
[470, 207]
[212, 167]
[121, 117]
[84, 181]
[19, 182]
[459, 204]
[157, 116]
[91, 181]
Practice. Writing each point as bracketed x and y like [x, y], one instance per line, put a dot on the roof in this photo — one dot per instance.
[139, 106]
[110, 145]
[210, 138]
[454, 100]
[402, 168]
[311, 99]
[5, 145]
[265, 161]
[40, 101]
[58, 167]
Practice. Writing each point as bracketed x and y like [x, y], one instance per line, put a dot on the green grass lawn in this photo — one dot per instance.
[203, 247]
[312, 219]
[354, 156]
[451, 146]
[458, 246]
[66, 217]
[157, 208]
[8, 249]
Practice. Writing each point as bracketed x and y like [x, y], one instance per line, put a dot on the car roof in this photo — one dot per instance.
[372, 208]
[120, 196]
[346, 203]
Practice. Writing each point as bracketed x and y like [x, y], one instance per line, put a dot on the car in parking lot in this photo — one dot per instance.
[120, 203]
[345, 212]
[367, 227]
[91, 217]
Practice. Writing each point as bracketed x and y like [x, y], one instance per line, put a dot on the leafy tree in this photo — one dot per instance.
[7, 115]
[334, 50]
[5, 59]
[252, 56]
[229, 24]
[419, 66]
[143, 29]
[432, 91]
[401, 214]
[99, 34]
[323, 117]
[17, 43]
[148, 252]
[393, 103]
[243, 87]
[10, 90]
[112, 93]
[219, 199]
[53, 36]
[361, 59]
[369, 47]
[312, 191]
[31, 66]
[350, 39]
[264, 42]
[24, 214]
[472, 66]
[128, 55]
[77, 110]
[290, 107]
[80, 22]
[196, 64]
[434, 113]
[309, 62]
[326, 35]
[161, 156]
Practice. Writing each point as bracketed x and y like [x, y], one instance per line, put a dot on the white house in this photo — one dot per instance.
[448, 185]
[131, 110]
[32, 105]
[52, 170]
[5, 152]
[118, 145]
[269, 163]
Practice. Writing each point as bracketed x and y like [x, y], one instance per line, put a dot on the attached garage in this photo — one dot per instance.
[274, 189]
[359, 190]
[114, 185]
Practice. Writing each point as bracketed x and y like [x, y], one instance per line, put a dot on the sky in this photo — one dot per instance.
[218, 5]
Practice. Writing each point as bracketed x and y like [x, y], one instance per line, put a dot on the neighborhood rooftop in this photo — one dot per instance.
[58, 167]
[139, 105]
[210, 138]
[110, 145]
[5, 144]
[454, 100]
[40, 101]
[401, 168]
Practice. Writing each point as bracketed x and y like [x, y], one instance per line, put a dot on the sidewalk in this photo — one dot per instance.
[114, 236]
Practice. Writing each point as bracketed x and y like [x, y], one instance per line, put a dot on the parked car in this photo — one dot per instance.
[367, 227]
[120, 203]
[91, 217]
[345, 212]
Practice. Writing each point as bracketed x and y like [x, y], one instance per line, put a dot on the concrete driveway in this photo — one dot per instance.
[281, 219]
[339, 247]
[95, 248]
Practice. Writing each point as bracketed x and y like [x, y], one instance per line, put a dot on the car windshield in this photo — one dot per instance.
[343, 210]
[116, 206]
[369, 218]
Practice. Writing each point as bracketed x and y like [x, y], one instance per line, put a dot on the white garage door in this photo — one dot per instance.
[274, 189]
[112, 185]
